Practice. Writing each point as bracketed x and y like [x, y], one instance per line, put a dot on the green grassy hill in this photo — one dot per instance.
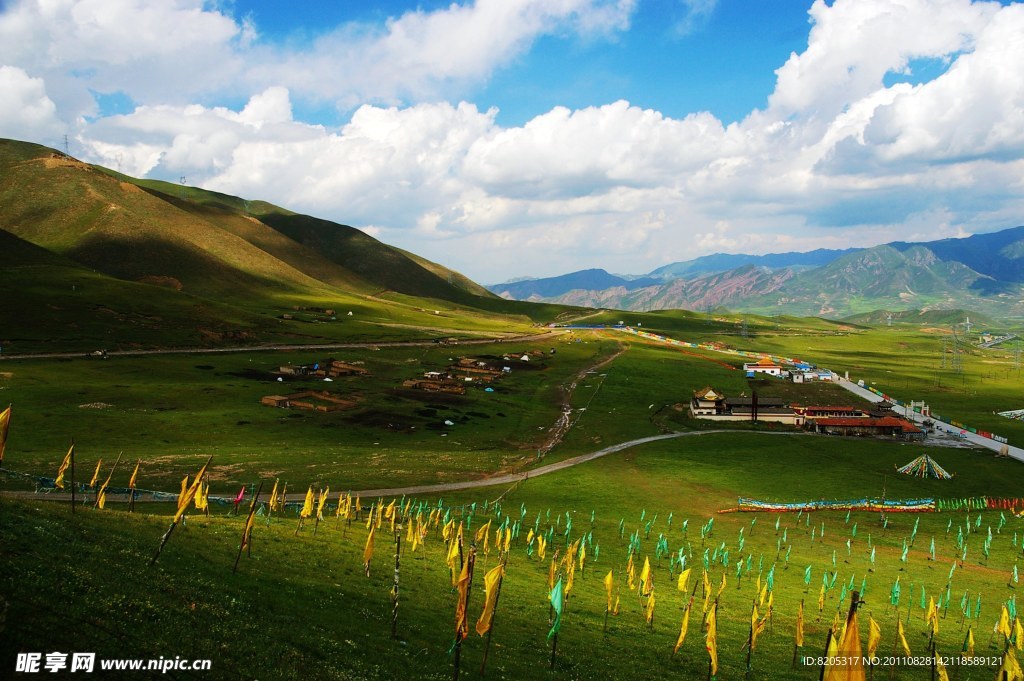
[203, 267]
[926, 318]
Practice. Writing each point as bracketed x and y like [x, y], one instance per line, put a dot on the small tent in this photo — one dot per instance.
[924, 466]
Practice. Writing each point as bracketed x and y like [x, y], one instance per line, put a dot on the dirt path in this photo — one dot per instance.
[444, 487]
[267, 348]
[565, 422]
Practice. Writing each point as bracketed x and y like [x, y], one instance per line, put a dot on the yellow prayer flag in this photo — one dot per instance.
[969, 643]
[274, 506]
[874, 636]
[181, 494]
[5, 426]
[849, 660]
[649, 613]
[461, 624]
[1018, 634]
[481, 534]
[452, 560]
[711, 639]
[188, 494]
[645, 576]
[247, 532]
[101, 499]
[1004, 623]
[754, 628]
[684, 580]
[901, 636]
[609, 585]
[307, 506]
[202, 496]
[492, 581]
[59, 481]
[1010, 669]
[940, 669]
[368, 549]
[721, 587]
[682, 630]
[321, 501]
[96, 473]
[135, 475]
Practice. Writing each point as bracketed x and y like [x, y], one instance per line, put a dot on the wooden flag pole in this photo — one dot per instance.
[394, 591]
[131, 490]
[246, 538]
[554, 648]
[3, 433]
[494, 614]
[895, 645]
[72, 475]
[471, 559]
[750, 638]
[828, 642]
[174, 523]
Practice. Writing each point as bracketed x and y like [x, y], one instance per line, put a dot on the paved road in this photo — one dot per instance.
[445, 487]
[911, 415]
[265, 348]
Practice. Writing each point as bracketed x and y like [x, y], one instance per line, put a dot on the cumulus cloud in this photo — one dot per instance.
[837, 157]
[26, 111]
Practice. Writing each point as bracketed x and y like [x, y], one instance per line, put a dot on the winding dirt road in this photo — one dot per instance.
[444, 487]
[267, 348]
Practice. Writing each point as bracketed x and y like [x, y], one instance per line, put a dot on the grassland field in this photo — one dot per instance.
[301, 606]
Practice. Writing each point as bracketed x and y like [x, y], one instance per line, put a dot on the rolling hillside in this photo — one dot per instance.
[207, 265]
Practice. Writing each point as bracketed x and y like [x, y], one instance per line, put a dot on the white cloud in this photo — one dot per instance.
[175, 51]
[853, 45]
[836, 158]
[695, 13]
[26, 111]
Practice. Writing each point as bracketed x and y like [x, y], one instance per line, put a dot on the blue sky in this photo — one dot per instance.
[548, 135]
[673, 58]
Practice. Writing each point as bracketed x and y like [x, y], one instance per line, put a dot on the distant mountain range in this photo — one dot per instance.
[983, 272]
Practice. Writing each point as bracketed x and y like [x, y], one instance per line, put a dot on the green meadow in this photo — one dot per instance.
[301, 605]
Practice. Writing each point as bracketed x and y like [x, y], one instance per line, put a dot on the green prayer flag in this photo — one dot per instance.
[557, 604]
